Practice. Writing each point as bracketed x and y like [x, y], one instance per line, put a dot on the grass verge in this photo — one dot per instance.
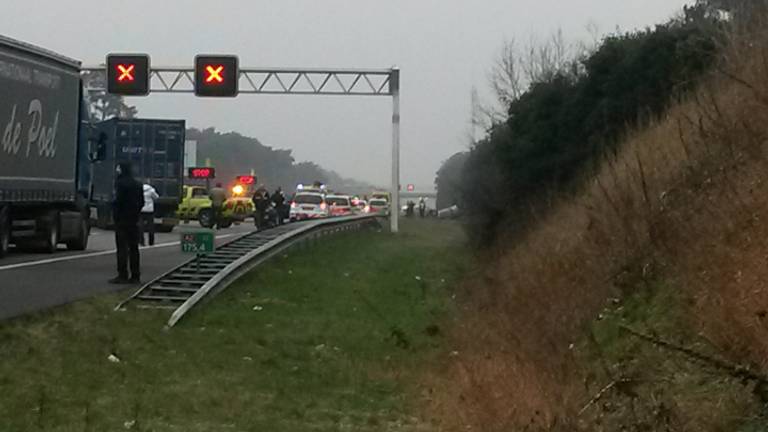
[330, 337]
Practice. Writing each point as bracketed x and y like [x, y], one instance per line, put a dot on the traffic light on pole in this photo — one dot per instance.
[128, 74]
[216, 75]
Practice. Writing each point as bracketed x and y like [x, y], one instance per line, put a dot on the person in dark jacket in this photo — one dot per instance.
[218, 197]
[278, 198]
[260, 200]
[126, 212]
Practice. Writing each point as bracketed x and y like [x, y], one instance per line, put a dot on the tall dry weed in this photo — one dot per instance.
[685, 199]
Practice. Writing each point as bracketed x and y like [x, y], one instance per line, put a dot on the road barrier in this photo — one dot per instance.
[185, 286]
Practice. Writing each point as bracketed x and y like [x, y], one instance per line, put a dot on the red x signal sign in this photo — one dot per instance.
[216, 75]
[128, 74]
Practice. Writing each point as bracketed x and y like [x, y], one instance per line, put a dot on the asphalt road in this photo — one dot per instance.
[30, 282]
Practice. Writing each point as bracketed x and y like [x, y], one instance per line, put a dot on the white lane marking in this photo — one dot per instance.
[95, 254]
[46, 179]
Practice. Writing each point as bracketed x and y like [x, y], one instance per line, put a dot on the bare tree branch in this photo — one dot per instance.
[505, 75]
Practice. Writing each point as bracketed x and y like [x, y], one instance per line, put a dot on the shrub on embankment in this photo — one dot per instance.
[575, 111]
[668, 236]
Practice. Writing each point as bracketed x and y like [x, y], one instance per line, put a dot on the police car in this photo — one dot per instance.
[308, 203]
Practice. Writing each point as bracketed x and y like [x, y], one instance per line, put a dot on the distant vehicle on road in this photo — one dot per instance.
[339, 205]
[378, 205]
[359, 205]
[239, 205]
[196, 205]
[449, 213]
[308, 205]
[48, 145]
[156, 150]
[381, 195]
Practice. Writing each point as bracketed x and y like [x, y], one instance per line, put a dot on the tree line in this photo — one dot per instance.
[233, 154]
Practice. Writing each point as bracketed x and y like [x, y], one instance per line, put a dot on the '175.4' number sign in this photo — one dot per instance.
[198, 242]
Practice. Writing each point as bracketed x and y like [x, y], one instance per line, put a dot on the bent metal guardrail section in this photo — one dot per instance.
[186, 285]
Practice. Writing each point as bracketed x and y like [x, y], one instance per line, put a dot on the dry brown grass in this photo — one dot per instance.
[685, 200]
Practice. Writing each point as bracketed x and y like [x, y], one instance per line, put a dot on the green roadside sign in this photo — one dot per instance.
[198, 242]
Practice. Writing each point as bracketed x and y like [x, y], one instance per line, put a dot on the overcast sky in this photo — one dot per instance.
[443, 48]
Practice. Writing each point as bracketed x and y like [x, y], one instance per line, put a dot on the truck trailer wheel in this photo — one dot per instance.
[81, 243]
[50, 232]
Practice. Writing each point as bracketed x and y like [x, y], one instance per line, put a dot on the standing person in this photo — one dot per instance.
[279, 199]
[148, 213]
[126, 211]
[266, 203]
[422, 207]
[218, 195]
[259, 206]
[266, 200]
